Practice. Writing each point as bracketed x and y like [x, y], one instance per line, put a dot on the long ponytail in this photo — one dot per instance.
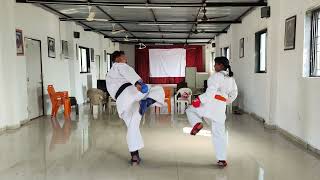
[230, 71]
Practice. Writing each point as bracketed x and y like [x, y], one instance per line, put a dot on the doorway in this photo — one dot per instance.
[34, 78]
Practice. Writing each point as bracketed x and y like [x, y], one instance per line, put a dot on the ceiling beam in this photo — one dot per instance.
[161, 32]
[158, 22]
[121, 3]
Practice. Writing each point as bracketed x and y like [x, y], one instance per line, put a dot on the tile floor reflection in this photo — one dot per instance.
[93, 147]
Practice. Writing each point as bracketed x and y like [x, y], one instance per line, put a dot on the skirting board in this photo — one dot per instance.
[14, 127]
[25, 121]
[294, 139]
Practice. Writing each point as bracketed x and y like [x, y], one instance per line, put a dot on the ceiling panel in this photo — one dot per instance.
[232, 1]
[176, 1]
[176, 14]
[78, 11]
[121, 34]
[137, 1]
[149, 35]
[165, 40]
[130, 40]
[137, 27]
[211, 27]
[203, 35]
[176, 41]
[102, 25]
[121, 13]
[175, 35]
[177, 27]
[73, 0]
[198, 40]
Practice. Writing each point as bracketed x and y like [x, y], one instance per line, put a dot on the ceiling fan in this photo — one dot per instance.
[127, 39]
[196, 30]
[114, 31]
[91, 16]
[205, 17]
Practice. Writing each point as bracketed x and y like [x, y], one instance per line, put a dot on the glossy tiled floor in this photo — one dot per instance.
[94, 148]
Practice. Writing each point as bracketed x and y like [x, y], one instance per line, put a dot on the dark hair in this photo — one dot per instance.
[225, 62]
[116, 54]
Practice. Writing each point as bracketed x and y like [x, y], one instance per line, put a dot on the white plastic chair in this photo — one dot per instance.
[182, 102]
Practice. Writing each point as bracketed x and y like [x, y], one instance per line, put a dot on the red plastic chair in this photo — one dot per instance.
[58, 99]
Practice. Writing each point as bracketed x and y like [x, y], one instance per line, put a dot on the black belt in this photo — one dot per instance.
[122, 88]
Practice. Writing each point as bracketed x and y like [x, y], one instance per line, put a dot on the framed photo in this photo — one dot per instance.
[65, 49]
[51, 47]
[241, 49]
[19, 42]
[290, 33]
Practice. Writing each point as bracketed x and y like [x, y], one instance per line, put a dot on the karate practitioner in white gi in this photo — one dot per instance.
[133, 97]
[222, 90]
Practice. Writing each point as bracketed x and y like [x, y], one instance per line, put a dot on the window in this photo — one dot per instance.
[227, 52]
[84, 58]
[315, 44]
[213, 56]
[107, 59]
[261, 51]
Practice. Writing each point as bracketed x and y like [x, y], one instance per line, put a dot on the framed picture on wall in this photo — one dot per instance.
[65, 49]
[290, 33]
[241, 49]
[51, 47]
[19, 42]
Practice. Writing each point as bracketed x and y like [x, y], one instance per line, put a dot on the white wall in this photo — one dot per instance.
[253, 88]
[299, 97]
[282, 96]
[12, 93]
[36, 23]
[129, 50]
